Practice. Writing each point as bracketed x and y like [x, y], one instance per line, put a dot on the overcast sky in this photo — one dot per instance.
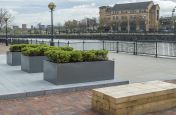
[32, 12]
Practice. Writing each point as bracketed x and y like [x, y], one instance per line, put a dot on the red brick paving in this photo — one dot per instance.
[73, 103]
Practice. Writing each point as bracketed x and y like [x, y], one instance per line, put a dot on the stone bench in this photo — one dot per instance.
[134, 99]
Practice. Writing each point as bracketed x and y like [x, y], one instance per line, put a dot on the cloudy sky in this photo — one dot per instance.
[32, 12]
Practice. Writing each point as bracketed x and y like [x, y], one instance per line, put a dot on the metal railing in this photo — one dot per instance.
[152, 48]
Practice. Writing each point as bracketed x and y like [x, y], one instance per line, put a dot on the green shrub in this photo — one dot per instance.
[31, 52]
[88, 56]
[101, 55]
[76, 56]
[54, 48]
[58, 56]
[17, 47]
[66, 48]
[52, 55]
[37, 50]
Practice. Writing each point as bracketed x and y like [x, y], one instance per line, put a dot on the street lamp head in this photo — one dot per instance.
[51, 6]
[6, 19]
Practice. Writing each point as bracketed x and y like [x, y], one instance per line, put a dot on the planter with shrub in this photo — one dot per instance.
[69, 67]
[14, 54]
[32, 57]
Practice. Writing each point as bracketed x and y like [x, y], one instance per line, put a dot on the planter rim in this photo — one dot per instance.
[79, 62]
[12, 52]
[33, 56]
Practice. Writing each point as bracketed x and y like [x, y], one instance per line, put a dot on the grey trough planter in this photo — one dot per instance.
[70, 73]
[13, 58]
[32, 64]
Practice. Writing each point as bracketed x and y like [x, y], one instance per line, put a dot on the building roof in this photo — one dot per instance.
[131, 6]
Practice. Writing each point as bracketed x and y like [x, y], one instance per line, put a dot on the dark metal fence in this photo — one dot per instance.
[152, 48]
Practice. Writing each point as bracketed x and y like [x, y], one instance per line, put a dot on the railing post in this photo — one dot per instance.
[134, 48]
[27, 41]
[36, 41]
[103, 45]
[18, 40]
[83, 45]
[58, 43]
[117, 46]
[68, 43]
[156, 49]
[31, 41]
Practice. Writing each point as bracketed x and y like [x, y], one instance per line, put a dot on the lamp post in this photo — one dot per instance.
[6, 20]
[173, 19]
[52, 6]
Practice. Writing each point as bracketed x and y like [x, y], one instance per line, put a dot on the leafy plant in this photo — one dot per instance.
[67, 48]
[88, 56]
[17, 47]
[37, 50]
[58, 56]
[31, 52]
[101, 55]
[76, 56]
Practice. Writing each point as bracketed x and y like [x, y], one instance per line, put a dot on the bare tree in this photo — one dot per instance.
[71, 25]
[4, 13]
[59, 26]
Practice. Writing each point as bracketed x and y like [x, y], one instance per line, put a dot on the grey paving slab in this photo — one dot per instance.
[143, 68]
[15, 83]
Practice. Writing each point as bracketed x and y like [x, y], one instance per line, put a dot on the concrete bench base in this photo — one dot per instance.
[134, 99]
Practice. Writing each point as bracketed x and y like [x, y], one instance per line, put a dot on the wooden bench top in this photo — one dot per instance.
[131, 92]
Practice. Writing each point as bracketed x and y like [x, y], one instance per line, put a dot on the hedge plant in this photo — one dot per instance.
[67, 48]
[39, 50]
[60, 56]
[17, 48]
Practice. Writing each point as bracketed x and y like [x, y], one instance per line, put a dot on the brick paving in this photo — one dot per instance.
[73, 103]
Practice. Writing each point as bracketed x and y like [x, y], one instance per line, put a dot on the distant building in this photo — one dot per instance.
[32, 27]
[24, 26]
[15, 27]
[166, 24]
[42, 27]
[131, 17]
[90, 23]
[48, 26]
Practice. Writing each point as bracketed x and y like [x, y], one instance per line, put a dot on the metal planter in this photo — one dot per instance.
[70, 73]
[13, 58]
[32, 64]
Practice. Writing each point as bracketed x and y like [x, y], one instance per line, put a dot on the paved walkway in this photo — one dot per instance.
[143, 68]
[15, 83]
[74, 103]
[134, 68]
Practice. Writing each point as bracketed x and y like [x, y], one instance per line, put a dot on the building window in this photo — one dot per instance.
[157, 15]
[114, 17]
[117, 17]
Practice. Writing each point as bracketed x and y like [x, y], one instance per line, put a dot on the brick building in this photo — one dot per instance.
[131, 17]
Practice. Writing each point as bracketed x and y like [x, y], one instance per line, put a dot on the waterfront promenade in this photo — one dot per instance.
[128, 67]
